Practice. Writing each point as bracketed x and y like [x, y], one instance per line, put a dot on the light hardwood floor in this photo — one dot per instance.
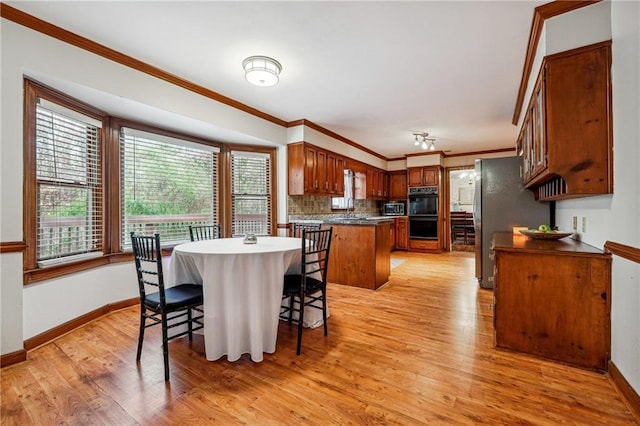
[417, 351]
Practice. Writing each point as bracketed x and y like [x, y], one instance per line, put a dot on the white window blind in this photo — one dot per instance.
[250, 193]
[167, 185]
[69, 189]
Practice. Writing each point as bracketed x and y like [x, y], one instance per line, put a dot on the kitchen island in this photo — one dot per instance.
[360, 254]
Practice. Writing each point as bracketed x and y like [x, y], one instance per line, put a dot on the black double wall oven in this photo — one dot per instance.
[423, 212]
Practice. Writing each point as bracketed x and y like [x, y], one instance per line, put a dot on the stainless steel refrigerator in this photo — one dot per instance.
[500, 203]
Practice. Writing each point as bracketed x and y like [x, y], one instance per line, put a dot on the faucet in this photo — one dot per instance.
[350, 212]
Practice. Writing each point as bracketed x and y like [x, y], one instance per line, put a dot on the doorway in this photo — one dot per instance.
[459, 208]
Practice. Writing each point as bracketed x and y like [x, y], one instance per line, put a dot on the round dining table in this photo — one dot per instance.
[242, 287]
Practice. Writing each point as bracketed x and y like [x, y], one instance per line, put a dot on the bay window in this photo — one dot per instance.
[92, 179]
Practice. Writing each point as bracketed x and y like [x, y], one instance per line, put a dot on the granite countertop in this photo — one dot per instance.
[353, 220]
[359, 220]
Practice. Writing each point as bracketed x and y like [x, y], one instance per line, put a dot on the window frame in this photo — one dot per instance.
[110, 180]
[117, 124]
[226, 166]
[33, 272]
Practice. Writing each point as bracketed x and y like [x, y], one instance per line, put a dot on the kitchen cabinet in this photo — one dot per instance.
[315, 171]
[398, 185]
[532, 142]
[377, 184]
[565, 142]
[423, 176]
[360, 186]
[335, 166]
[426, 246]
[338, 173]
[320, 171]
[553, 299]
[402, 233]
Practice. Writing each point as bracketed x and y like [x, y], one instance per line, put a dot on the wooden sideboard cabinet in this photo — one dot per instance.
[566, 137]
[553, 299]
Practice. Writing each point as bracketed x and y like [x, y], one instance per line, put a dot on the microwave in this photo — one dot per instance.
[393, 209]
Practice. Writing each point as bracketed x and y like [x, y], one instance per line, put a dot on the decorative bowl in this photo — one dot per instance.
[250, 239]
[541, 235]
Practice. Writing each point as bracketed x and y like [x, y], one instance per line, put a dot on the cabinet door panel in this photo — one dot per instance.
[398, 186]
[339, 176]
[331, 173]
[415, 176]
[321, 172]
[310, 166]
[402, 236]
[430, 176]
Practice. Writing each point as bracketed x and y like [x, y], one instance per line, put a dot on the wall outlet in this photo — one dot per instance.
[575, 223]
[584, 224]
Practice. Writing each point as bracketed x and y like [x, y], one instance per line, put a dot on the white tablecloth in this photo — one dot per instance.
[242, 291]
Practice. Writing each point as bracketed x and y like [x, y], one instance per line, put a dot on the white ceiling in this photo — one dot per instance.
[373, 72]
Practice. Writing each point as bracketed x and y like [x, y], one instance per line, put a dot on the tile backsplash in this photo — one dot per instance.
[319, 207]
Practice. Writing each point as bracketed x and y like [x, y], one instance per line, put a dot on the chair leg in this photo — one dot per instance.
[140, 334]
[165, 347]
[189, 316]
[324, 311]
[290, 309]
[300, 321]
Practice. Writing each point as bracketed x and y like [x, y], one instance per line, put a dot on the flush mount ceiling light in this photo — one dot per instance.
[261, 70]
[426, 143]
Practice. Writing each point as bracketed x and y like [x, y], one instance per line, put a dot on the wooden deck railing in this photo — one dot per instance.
[69, 234]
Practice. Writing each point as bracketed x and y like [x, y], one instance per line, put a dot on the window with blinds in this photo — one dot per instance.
[167, 184]
[250, 193]
[68, 184]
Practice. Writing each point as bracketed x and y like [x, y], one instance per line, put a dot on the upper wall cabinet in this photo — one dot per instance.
[398, 185]
[314, 171]
[377, 184]
[565, 141]
[423, 176]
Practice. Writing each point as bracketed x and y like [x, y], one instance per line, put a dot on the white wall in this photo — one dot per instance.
[469, 160]
[580, 27]
[424, 160]
[283, 185]
[54, 302]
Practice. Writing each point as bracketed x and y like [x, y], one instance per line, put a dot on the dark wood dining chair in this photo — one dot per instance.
[458, 221]
[204, 232]
[309, 287]
[297, 228]
[470, 229]
[168, 307]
